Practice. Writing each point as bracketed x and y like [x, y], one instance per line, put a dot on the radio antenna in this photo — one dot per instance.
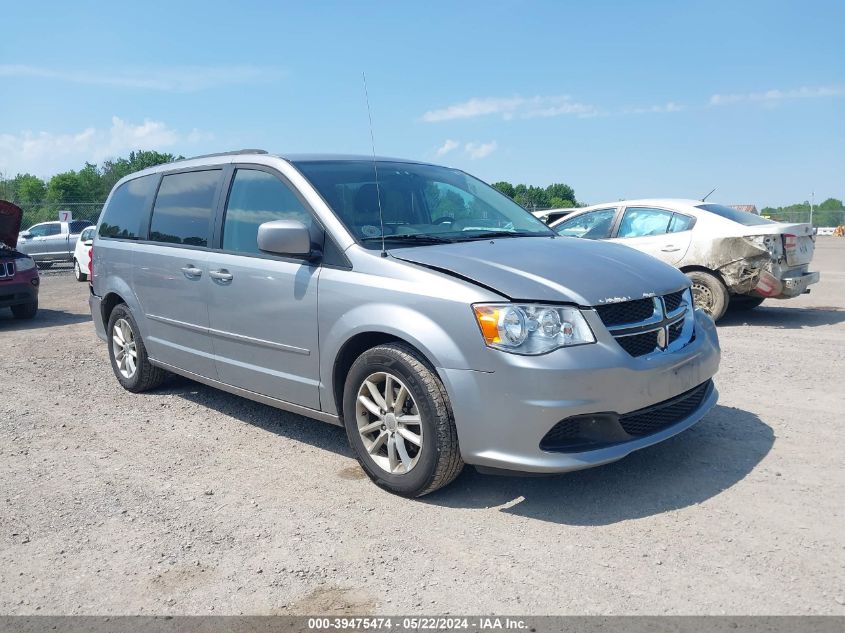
[704, 199]
[375, 165]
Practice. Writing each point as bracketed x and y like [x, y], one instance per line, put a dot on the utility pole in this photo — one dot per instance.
[812, 200]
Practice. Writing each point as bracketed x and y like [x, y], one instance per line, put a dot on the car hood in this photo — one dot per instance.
[562, 269]
[10, 223]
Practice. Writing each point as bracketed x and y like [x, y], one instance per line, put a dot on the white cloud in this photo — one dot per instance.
[511, 107]
[670, 106]
[45, 153]
[447, 147]
[777, 96]
[480, 150]
[172, 79]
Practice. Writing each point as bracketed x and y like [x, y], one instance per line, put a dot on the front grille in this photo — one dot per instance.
[626, 312]
[644, 326]
[675, 330]
[658, 417]
[673, 301]
[7, 269]
[639, 344]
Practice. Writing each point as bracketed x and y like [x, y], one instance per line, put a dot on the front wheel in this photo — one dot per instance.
[128, 355]
[709, 293]
[77, 271]
[25, 310]
[399, 421]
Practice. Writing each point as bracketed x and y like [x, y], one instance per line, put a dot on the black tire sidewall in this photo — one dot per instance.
[25, 310]
[384, 359]
[77, 271]
[122, 312]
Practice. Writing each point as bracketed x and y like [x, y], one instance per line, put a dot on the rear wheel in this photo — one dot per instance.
[77, 271]
[128, 355]
[709, 293]
[744, 302]
[399, 421]
[25, 310]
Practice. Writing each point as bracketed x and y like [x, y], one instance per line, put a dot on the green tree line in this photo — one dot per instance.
[831, 212]
[92, 183]
[555, 196]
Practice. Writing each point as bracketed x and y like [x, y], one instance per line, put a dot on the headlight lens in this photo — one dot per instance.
[531, 329]
[24, 263]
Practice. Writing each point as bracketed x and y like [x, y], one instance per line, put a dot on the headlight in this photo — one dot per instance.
[24, 263]
[531, 329]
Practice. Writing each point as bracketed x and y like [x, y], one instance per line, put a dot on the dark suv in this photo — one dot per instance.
[18, 273]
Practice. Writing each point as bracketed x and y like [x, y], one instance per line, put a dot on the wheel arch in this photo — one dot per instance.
[704, 269]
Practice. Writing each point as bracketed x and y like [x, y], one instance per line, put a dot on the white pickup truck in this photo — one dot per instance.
[51, 242]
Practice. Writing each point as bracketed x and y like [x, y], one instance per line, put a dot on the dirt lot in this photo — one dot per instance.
[189, 500]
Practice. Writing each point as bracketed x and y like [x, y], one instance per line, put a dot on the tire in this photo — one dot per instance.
[709, 293]
[77, 271]
[145, 375]
[25, 310]
[436, 460]
[744, 302]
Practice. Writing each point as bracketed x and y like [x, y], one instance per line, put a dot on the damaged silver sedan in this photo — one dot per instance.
[733, 258]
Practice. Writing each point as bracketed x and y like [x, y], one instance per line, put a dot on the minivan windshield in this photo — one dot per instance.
[420, 204]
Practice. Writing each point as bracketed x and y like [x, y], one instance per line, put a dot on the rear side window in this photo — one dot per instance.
[183, 208]
[681, 222]
[257, 197]
[126, 210]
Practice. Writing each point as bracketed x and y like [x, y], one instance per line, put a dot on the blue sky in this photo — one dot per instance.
[617, 99]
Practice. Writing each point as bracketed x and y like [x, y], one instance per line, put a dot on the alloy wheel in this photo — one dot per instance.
[124, 349]
[389, 423]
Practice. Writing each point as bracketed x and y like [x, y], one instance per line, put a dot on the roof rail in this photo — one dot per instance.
[232, 153]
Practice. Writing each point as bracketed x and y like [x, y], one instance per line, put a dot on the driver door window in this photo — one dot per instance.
[595, 225]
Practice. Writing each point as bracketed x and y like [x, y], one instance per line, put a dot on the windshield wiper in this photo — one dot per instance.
[493, 234]
[411, 237]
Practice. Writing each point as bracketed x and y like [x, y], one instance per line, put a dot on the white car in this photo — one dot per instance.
[732, 257]
[82, 253]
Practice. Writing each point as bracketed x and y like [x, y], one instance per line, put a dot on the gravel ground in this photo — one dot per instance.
[192, 501]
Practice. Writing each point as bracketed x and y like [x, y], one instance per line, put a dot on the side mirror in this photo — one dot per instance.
[25, 235]
[285, 237]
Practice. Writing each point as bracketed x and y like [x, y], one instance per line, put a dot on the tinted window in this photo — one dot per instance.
[87, 234]
[742, 217]
[644, 221]
[594, 225]
[46, 229]
[126, 210]
[77, 225]
[680, 223]
[257, 197]
[183, 208]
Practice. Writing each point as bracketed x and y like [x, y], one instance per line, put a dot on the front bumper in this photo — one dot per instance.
[502, 416]
[18, 293]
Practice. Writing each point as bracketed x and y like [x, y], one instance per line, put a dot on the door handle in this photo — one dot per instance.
[222, 275]
[191, 271]
[669, 248]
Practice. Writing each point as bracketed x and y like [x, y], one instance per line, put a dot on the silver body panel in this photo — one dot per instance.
[274, 330]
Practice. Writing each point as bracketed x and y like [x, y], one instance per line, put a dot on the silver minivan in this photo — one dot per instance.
[435, 319]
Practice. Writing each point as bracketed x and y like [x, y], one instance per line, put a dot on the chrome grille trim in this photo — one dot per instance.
[660, 332]
[7, 269]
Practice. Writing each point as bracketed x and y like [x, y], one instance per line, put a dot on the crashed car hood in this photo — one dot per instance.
[10, 223]
[563, 269]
